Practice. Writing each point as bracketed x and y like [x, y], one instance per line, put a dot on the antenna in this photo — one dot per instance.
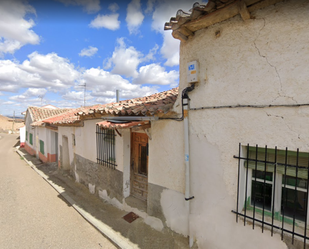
[117, 95]
[84, 94]
[84, 85]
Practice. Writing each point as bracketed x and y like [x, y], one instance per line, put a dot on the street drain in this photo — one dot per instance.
[130, 217]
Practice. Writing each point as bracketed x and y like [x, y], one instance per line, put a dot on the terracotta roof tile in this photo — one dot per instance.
[39, 113]
[201, 16]
[67, 118]
[158, 103]
[131, 124]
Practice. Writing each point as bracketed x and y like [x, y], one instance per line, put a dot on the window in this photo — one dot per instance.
[272, 189]
[26, 135]
[42, 147]
[31, 138]
[106, 147]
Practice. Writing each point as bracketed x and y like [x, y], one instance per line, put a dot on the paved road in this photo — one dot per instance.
[31, 213]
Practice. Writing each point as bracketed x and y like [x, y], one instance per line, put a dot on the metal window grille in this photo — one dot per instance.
[106, 147]
[272, 190]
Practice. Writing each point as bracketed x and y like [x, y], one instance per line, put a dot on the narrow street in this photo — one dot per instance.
[32, 215]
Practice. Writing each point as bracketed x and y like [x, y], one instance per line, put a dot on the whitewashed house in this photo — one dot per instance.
[41, 141]
[114, 150]
[248, 115]
[234, 158]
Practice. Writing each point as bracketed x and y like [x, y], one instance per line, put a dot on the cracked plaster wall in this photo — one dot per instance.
[261, 61]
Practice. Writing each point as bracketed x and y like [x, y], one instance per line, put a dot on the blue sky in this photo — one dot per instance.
[50, 49]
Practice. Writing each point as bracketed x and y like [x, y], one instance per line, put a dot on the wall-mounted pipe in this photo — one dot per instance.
[188, 197]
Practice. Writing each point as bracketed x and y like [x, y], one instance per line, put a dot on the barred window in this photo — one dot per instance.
[272, 189]
[106, 147]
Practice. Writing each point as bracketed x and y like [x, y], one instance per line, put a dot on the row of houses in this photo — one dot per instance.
[220, 158]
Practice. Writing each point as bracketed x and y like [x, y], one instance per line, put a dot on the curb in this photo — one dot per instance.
[113, 236]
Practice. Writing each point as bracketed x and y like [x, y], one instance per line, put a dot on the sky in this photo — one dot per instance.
[68, 53]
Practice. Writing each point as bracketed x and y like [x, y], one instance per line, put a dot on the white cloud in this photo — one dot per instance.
[35, 92]
[125, 60]
[164, 10]
[90, 6]
[38, 93]
[113, 7]
[51, 70]
[106, 21]
[39, 71]
[15, 30]
[152, 53]
[156, 75]
[90, 51]
[170, 50]
[77, 96]
[135, 16]
[150, 4]
[103, 85]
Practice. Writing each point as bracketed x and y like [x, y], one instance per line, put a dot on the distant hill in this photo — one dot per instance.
[7, 124]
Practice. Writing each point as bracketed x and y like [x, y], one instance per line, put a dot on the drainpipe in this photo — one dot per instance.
[188, 197]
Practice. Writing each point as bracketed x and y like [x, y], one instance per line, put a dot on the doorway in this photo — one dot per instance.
[139, 165]
[65, 153]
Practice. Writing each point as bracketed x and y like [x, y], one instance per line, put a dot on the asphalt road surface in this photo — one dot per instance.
[32, 215]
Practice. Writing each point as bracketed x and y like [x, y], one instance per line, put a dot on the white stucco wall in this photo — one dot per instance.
[166, 152]
[85, 142]
[67, 132]
[261, 61]
[22, 134]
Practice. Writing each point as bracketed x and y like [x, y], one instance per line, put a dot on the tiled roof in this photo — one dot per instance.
[111, 125]
[67, 118]
[214, 11]
[156, 104]
[38, 114]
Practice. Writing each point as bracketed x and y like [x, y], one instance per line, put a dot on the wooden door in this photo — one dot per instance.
[139, 165]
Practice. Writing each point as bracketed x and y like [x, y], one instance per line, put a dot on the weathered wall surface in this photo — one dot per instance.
[166, 153]
[99, 177]
[83, 158]
[86, 140]
[261, 61]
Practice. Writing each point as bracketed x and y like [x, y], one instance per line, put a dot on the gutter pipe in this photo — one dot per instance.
[188, 197]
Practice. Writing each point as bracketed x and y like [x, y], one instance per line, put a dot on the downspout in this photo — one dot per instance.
[188, 197]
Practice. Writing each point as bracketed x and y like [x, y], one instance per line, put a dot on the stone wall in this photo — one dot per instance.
[98, 177]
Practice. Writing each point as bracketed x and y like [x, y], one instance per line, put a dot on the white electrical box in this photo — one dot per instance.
[192, 73]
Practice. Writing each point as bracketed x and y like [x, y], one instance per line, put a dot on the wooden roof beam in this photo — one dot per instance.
[180, 36]
[243, 10]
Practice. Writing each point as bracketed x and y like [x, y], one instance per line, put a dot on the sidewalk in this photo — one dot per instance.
[102, 215]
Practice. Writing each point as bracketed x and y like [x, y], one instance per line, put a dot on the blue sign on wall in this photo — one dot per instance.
[191, 67]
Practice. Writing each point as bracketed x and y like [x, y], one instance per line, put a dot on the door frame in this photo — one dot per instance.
[138, 180]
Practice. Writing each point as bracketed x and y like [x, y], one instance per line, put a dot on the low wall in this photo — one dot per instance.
[99, 177]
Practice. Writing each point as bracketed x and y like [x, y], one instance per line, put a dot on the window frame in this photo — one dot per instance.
[42, 147]
[106, 147]
[292, 163]
[31, 138]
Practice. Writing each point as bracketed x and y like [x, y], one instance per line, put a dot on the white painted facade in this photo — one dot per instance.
[22, 135]
[261, 61]
[48, 136]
